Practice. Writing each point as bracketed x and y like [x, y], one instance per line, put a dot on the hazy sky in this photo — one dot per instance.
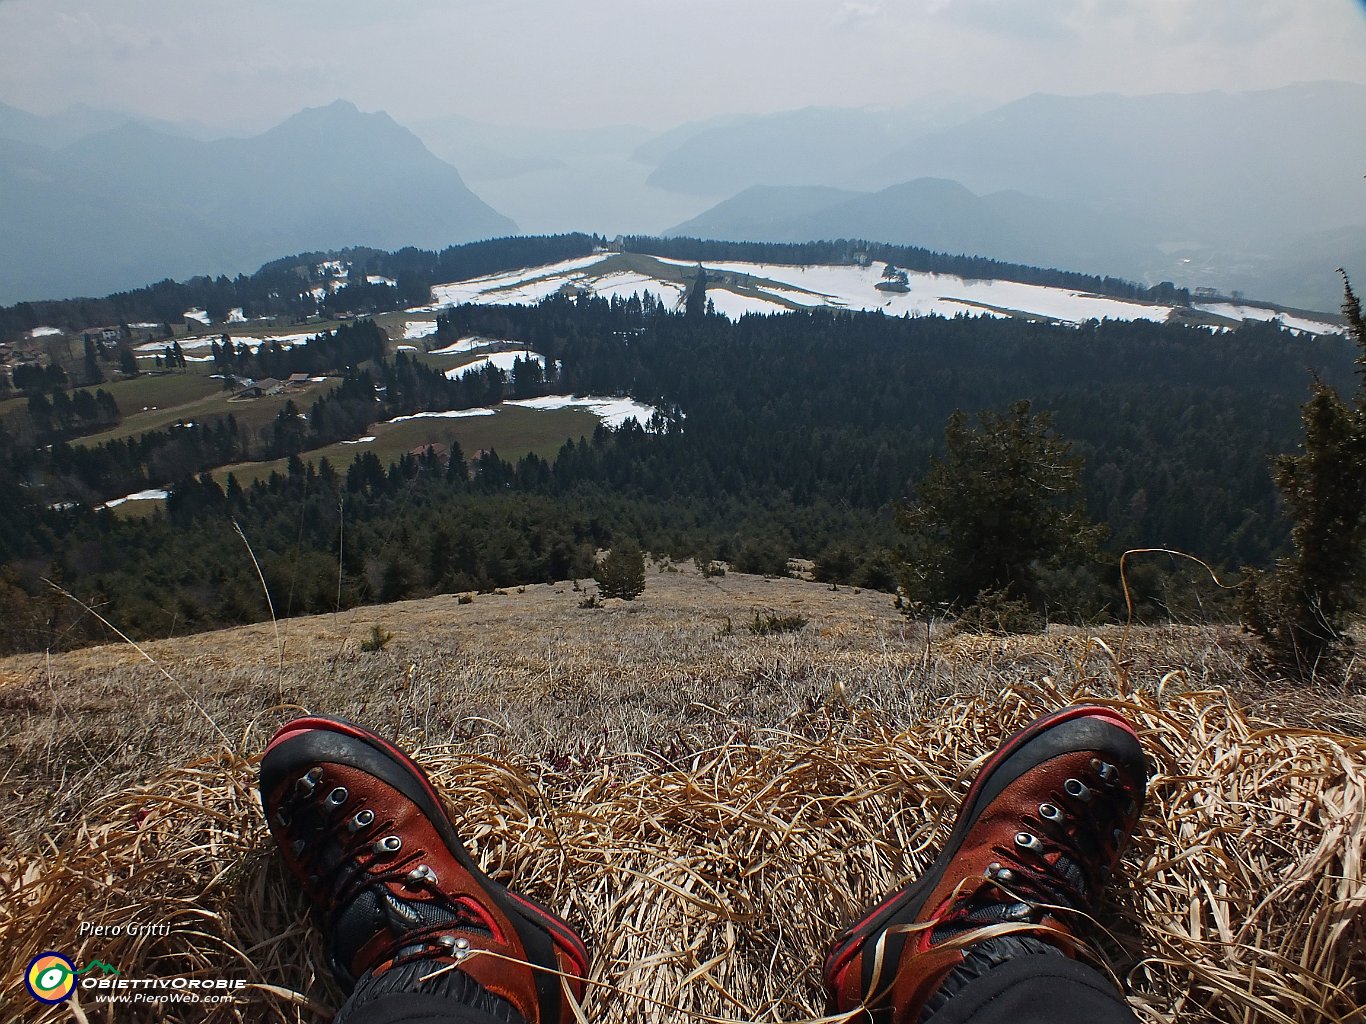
[583, 63]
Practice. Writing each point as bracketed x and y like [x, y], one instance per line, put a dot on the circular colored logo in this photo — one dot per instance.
[51, 977]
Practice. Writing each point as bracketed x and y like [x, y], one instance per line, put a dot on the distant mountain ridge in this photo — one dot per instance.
[937, 214]
[130, 204]
[1257, 191]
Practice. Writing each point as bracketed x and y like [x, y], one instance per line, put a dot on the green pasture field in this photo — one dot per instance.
[160, 391]
[512, 432]
[251, 414]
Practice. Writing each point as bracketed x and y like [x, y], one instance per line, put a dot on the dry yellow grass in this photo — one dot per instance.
[709, 807]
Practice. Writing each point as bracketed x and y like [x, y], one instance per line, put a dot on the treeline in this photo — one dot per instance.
[843, 251]
[326, 352]
[285, 288]
[782, 436]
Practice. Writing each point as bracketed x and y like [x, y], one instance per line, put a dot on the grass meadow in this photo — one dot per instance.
[708, 805]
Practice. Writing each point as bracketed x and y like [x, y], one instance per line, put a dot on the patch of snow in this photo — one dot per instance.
[333, 268]
[144, 327]
[317, 380]
[612, 411]
[237, 315]
[515, 287]
[623, 284]
[733, 305]
[189, 345]
[376, 279]
[154, 494]
[415, 329]
[452, 414]
[406, 348]
[197, 314]
[360, 440]
[1235, 311]
[44, 332]
[466, 344]
[502, 360]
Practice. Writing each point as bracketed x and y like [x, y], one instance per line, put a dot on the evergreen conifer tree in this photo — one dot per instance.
[995, 518]
[622, 573]
[1300, 608]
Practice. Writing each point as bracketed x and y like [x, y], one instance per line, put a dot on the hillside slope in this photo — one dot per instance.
[677, 784]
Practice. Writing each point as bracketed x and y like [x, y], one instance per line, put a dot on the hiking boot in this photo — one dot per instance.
[363, 830]
[1036, 839]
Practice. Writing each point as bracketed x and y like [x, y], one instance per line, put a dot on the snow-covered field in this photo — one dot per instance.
[502, 360]
[516, 287]
[466, 344]
[44, 332]
[853, 287]
[1295, 323]
[738, 288]
[155, 494]
[415, 329]
[612, 411]
[449, 414]
[155, 348]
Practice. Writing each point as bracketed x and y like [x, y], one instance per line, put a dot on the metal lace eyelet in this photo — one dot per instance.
[1077, 790]
[1117, 835]
[420, 874]
[456, 946]
[1105, 771]
[282, 818]
[338, 796]
[1026, 841]
[308, 782]
[360, 820]
[389, 844]
[1020, 912]
[997, 873]
[1049, 812]
[298, 847]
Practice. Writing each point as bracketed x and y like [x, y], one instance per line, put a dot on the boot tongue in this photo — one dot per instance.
[375, 910]
[980, 916]
[982, 910]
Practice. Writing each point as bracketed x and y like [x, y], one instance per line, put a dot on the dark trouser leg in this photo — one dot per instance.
[1037, 988]
[401, 996]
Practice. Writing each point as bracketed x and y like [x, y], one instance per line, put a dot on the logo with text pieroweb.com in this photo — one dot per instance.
[51, 977]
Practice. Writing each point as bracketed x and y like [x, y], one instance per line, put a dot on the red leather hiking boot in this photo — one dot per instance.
[361, 828]
[1036, 839]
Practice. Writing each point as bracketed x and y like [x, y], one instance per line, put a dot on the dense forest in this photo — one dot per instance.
[783, 436]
